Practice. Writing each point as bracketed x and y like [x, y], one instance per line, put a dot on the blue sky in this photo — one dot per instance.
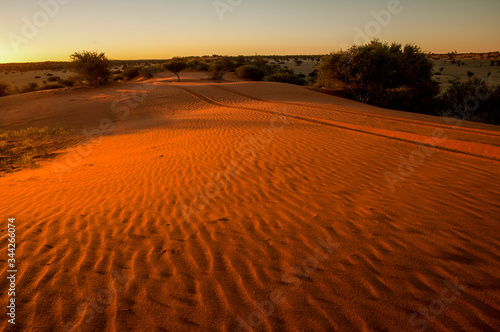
[150, 29]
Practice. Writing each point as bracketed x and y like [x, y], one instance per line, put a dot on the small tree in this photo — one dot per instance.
[92, 67]
[176, 65]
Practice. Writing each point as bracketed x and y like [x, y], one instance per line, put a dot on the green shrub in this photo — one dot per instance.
[286, 77]
[251, 72]
[92, 67]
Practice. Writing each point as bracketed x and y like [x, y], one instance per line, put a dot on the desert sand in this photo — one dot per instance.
[251, 206]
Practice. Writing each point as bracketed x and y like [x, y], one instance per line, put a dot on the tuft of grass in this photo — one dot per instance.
[34, 132]
[26, 160]
[21, 148]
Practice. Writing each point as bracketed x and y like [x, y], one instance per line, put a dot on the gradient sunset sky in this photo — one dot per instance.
[161, 29]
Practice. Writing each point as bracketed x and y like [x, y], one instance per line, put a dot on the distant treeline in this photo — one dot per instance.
[60, 65]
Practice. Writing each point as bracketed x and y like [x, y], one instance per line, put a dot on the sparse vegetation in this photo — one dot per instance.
[460, 100]
[131, 73]
[286, 77]
[251, 72]
[4, 89]
[21, 148]
[220, 67]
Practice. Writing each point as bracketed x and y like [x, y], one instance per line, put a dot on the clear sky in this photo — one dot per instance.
[160, 29]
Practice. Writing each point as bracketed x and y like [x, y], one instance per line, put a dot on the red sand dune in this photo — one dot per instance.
[252, 206]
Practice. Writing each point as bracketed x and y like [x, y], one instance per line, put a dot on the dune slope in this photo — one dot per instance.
[252, 206]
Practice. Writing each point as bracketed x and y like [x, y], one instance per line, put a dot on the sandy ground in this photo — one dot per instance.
[246, 206]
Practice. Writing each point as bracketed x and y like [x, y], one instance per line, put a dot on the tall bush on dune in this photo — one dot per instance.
[382, 74]
[92, 67]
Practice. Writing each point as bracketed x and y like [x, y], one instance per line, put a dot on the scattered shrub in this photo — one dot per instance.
[52, 86]
[69, 82]
[220, 67]
[460, 101]
[131, 73]
[54, 79]
[4, 89]
[251, 72]
[286, 77]
[92, 67]
[38, 77]
[28, 88]
[195, 64]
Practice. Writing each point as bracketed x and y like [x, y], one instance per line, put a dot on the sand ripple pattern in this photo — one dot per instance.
[115, 223]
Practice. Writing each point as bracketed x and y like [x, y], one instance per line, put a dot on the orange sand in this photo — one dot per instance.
[193, 209]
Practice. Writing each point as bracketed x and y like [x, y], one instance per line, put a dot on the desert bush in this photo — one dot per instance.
[220, 67]
[175, 65]
[54, 79]
[241, 60]
[92, 67]
[69, 82]
[195, 64]
[461, 101]
[131, 72]
[149, 71]
[38, 77]
[52, 86]
[382, 74]
[251, 72]
[30, 87]
[4, 89]
[286, 77]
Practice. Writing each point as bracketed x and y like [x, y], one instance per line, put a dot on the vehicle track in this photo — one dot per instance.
[414, 122]
[474, 149]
